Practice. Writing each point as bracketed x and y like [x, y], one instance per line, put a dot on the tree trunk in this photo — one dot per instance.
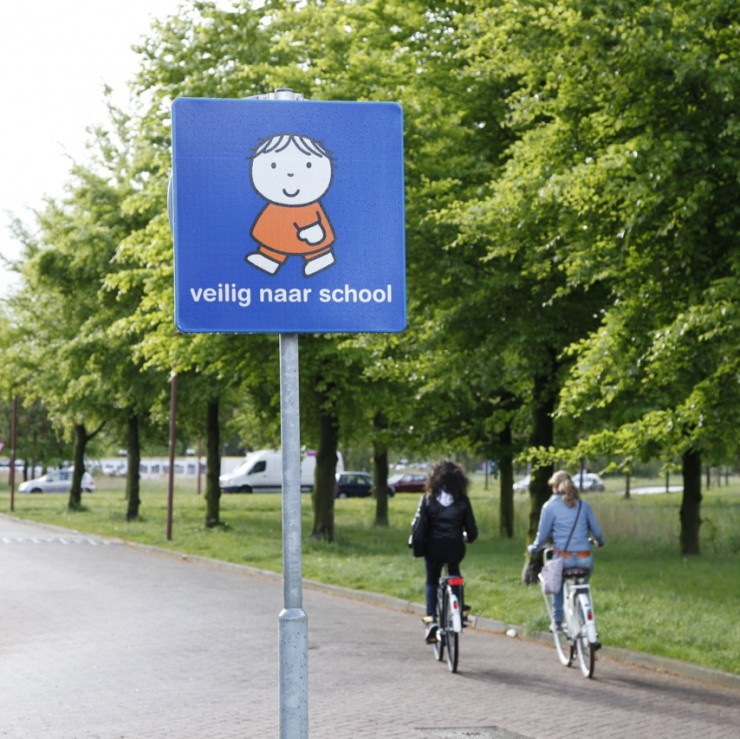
[545, 392]
[627, 482]
[691, 502]
[506, 502]
[78, 460]
[322, 496]
[213, 466]
[543, 405]
[133, 477]
[380, 471]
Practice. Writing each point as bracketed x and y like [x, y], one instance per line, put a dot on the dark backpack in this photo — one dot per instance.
[419, 530]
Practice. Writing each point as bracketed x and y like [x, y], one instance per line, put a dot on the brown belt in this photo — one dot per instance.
[570, 555]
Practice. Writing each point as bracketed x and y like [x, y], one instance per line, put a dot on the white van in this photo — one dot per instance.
[262, 472]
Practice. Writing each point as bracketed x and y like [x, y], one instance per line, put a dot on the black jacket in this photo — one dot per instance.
[449, 522]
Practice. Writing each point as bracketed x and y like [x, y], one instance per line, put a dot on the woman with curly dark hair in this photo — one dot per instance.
[450, 522]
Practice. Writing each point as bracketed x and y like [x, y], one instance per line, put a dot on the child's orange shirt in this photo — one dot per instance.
[277, 228]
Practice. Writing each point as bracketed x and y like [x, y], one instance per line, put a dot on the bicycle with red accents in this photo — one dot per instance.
[450, 620]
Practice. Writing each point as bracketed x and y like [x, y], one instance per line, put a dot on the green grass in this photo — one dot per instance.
[647, 597]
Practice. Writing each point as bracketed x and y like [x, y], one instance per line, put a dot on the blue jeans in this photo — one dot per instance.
[557, 598]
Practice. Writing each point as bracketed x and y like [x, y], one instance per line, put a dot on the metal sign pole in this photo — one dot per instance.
[13, 447]
[293, 625]
[293, 622]
[171, 472]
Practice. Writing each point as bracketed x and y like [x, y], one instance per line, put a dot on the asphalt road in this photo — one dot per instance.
[103, 639]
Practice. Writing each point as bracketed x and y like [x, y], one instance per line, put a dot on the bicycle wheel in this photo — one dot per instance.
[453, 645]
[452, 638]
[439, 645]
[563, 647]
[586, 653]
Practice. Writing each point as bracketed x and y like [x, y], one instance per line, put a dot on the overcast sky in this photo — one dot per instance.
[55, 58]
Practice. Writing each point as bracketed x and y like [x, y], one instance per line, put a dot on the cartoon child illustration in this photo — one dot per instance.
[292, 172]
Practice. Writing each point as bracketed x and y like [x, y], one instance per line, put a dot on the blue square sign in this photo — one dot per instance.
[288, 216]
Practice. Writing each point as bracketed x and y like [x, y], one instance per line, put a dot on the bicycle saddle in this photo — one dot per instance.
[576, 572]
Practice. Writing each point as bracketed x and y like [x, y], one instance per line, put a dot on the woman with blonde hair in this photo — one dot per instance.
[562, 484]
[569, 522]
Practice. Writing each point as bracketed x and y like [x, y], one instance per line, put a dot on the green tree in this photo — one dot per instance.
[501, 308]
[326, 59]
[36, 438]
[628, 142]
[59, 308]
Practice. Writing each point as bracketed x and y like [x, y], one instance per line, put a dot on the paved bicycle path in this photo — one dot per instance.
[102, 639]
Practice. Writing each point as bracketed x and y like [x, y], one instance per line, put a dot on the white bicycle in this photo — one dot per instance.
[578, 635]
[449, 613]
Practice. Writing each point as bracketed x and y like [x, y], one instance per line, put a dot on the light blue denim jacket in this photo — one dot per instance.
[556, 521]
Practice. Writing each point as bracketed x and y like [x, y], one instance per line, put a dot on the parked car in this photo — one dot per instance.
[407, 482]
[354, 485]
[115, 469]
[522, 484]
[5, 464]
[588, 482]
[56, 481]
[262, 472]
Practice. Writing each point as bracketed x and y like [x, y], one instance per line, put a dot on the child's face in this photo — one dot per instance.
[290, 177]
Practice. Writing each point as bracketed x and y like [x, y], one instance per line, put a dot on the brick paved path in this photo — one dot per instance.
[102, 639]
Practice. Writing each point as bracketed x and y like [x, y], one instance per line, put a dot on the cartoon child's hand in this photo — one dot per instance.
[313, 234]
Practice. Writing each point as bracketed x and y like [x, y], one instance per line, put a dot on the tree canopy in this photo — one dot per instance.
[572, 220]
